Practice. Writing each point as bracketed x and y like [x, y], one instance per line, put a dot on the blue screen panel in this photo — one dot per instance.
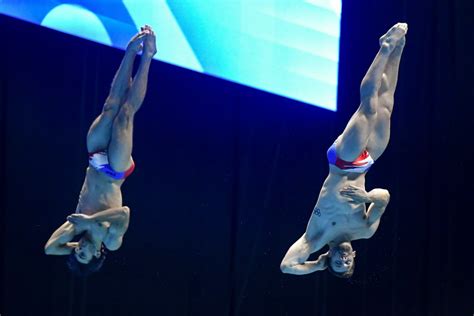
[285, 47]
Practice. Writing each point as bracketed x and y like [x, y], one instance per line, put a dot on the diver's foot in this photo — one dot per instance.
[395, 37]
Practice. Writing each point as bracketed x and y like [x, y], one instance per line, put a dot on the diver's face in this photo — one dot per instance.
[84, 251]
[342, 258]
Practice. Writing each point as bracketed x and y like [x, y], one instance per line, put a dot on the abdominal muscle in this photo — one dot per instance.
[334, 218]
[99, 192]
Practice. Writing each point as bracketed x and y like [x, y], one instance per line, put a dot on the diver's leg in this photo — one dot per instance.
[356, 135]
[120, 147]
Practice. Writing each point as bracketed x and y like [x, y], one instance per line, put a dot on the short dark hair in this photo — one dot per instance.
[84, 270]
[344, 275]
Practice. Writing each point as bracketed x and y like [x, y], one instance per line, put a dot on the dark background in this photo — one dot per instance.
[227, 177]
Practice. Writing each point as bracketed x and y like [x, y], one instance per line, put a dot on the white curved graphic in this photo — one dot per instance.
[74, 19]
[173, 46]
[285, 47]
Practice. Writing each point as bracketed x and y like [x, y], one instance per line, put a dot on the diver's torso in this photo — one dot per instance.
[334, 218]
[99, 192]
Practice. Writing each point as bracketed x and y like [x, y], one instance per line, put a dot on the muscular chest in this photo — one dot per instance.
[338, 220]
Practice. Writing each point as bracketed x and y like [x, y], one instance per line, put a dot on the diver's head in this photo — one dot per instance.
[86, 250]
[86, 258]
[342, 260]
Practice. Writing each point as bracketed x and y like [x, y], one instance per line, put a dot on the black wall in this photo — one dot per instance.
[227, 176]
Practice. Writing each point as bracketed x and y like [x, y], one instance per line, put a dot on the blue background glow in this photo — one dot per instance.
[286, 47]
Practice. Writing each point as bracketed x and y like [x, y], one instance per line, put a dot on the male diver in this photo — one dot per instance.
[100, 220]
[340, 214]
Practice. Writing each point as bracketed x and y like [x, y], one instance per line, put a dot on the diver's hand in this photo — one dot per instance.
[72, 244]
[80, 221]
[323, 260]
[355, 194]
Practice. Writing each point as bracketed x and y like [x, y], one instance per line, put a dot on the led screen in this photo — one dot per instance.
[286, 47]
